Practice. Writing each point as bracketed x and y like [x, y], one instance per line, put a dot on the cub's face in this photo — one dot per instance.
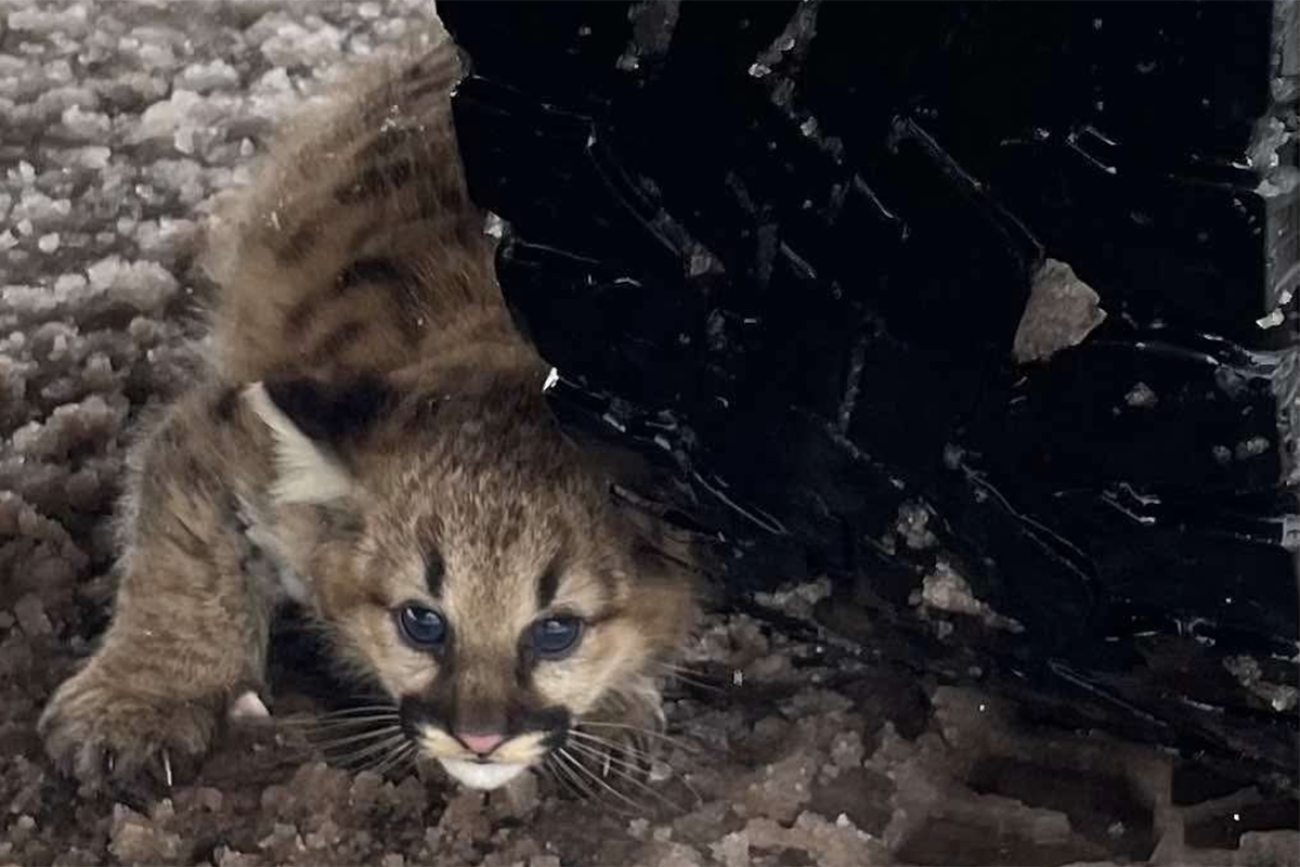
[481, 576]
[496, 616]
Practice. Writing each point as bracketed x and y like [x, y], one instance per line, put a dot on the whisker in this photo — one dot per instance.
[607, 757]
[389, 713]
[633, 751]
[392, 742]
[677, 742]
[676, 666]
[691, 677]
[572, 766]
[395, 758]
[639, 808]
[553, 768]
[360, 736]
[574, 782]
[695, 684]
[337, 723]
[622, 774]
[358, 717]
[348, 736]
[608, 761]
[618, 746]
[360, 709]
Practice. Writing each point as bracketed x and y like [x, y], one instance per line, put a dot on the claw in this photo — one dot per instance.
[167, 767]
[110, 760]
[248, 706]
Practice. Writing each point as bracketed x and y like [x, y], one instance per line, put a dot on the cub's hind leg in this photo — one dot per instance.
[190, 624]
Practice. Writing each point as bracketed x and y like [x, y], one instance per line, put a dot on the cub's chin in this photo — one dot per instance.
[482, 775]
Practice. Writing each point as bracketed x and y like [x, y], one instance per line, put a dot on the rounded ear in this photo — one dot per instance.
[313, 423]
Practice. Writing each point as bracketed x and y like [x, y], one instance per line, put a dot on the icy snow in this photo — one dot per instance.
[123, 120]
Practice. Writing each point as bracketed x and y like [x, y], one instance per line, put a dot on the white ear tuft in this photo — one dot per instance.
[305, 472]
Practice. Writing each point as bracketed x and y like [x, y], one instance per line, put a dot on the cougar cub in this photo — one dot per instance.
[372, 441]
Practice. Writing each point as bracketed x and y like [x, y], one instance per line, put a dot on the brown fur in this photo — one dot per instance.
[401, 423]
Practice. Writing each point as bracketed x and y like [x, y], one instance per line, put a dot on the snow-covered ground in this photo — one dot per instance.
[119, 123]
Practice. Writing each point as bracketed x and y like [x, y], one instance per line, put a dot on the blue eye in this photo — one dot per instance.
[556, 637]
[422, 627]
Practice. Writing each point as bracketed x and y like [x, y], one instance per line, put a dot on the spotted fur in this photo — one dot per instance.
[371, 433]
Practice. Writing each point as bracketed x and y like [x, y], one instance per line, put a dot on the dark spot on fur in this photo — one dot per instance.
[223, 408]
[386, 142]
[192, 468]
[409, 311]
[375, 182]
[439, 82]
[434, 572]
[334, 344]
[415, 70]
[444, 201]
[339, 523]
[547, 586]
[421, 414]
[374, 269]
[299, 244]
[300, 314]
[439, 67]
[188, 540]
[331, 413]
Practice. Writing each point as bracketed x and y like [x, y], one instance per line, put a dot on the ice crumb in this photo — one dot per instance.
[144, 285]
[164, 239]
[1248, 672]
[93, 157]
[48, 243]
[1268, 847]
[1062, 310]
[797, 600]
[69, 425]
[1272, 320]
[294, 45]
[30, 612]
[1250, 448]
[778, 790]
[187, 119]
[1281, 181]
[204, 78]
[833, 844]
[71, 21]
[912, 525]
[137, 839]
[948, 591]
[732, 850]
[85, 125]
[1141, 396]
[36, 207]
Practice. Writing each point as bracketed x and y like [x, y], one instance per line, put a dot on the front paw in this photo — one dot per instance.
[100, 728]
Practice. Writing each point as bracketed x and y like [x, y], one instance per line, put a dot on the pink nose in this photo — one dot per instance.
[481, 743]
